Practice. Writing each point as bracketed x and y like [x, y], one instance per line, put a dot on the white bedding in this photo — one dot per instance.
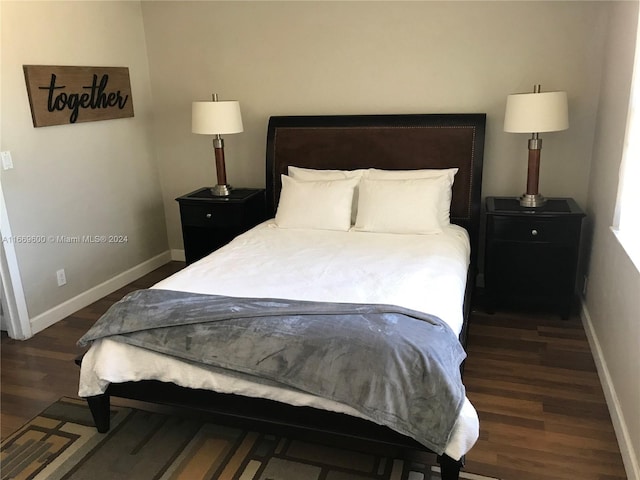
[421, 272]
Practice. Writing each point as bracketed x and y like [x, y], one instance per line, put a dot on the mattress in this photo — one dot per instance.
[421, 272]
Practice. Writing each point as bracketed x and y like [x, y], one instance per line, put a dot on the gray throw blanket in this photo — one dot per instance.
[397, 367]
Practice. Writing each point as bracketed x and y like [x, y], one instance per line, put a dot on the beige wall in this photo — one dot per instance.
[612, 304]
[371, 57]
[95, 178]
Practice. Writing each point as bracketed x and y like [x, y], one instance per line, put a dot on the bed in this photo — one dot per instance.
[390, 268]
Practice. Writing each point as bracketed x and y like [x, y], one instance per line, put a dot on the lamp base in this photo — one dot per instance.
[532, 201]
[221, 190]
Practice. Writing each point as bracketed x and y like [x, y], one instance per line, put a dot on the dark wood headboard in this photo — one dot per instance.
[390, 142]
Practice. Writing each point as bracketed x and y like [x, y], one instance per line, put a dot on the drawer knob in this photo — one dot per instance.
[208, 215]
[534, 232]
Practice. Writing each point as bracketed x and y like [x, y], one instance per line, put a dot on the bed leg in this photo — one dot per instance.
[100, 410]
[450, 468]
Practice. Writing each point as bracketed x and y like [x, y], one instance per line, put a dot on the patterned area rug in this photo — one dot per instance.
[61, 443]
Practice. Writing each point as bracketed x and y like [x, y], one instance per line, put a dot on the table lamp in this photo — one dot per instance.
[535, 113]
[217, 118]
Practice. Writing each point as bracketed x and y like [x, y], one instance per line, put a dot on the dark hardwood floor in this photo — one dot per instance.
[38, 371]
[542, 411]
[530, 376]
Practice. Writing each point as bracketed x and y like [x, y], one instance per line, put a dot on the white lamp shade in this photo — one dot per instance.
[216, 118]
[536, 112]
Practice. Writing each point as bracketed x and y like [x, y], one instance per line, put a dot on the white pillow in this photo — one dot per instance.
[322, 205]
[446, 175]
[399, 206]
[310, 174]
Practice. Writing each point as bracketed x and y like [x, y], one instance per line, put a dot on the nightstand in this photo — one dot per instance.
[531, 254]
[210, 222]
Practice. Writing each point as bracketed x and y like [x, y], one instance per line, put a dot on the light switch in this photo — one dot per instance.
[7, 161]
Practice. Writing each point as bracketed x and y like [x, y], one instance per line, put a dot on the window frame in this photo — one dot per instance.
[626, 219]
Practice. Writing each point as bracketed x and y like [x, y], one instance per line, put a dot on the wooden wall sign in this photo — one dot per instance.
[59, 95]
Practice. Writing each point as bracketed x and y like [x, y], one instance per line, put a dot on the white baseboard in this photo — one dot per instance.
[57, 313]
[615, 410]
[177, 255]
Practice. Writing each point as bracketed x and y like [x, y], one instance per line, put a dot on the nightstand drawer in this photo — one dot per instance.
[212, 215]
[531, 230]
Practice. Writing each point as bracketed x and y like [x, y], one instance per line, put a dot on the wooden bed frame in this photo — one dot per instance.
[392, 142]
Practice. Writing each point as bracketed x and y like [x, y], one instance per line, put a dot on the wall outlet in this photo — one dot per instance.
[7, 161]
[62, 278]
